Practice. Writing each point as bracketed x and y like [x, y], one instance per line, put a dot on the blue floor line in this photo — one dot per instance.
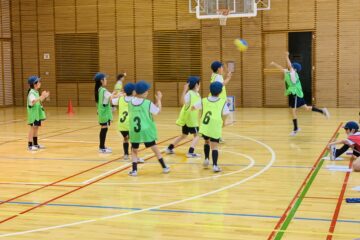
[185, 211]
[148, 162]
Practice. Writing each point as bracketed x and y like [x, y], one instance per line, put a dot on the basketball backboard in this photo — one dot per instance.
[263, 4]
[209, 9]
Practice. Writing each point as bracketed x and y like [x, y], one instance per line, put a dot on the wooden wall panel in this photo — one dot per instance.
[326, 54]
[143, 41]
[86, 16]
[19, 90]
[65, 20]
[66, 92]
[164, 15]
[45, 16]
[29, 41]
[185, 19]
[276, 20]
[47, 66]
[107, 57]
[126, 29]
[275, 48]
[170, 93]
[230, 53]
[211, 52]
[107, 41]
[125, 38]
[7, 73]
[2, 84]
[86, 96]
[252, 92]
[349, 54]
[301, 14]
[5, 19]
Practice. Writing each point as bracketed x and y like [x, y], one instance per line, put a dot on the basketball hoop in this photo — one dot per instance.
[223, 15]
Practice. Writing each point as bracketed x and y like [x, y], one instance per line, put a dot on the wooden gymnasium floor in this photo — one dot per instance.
[272, 186]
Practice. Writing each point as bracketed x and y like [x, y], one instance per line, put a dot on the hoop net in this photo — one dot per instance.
[223, 15]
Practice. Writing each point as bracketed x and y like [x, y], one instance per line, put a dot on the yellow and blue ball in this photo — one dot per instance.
[241, 44]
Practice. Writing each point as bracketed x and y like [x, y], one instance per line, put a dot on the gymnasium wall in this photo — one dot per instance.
[6, 86]
[128, 35]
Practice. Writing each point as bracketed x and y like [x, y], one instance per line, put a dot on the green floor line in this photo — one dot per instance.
[297, 204]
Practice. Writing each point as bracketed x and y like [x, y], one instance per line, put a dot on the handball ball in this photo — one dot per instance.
[241, 44]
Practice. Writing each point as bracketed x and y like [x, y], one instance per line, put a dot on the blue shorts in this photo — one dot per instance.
[295, 101]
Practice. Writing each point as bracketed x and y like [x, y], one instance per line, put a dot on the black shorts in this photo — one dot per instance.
[295, 101]
[147, 144]
[105, 123]
[211, 139]
[186, 130]
[36, 123]
[124, 133]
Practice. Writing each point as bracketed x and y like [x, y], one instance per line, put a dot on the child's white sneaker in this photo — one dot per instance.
[206, 163]
[169, 151]
[32, 148]
[326, 113]
[166, 170]
[39, 146]
[133, 173]
[105, 150]
[295, 132]
[193, 155]
[140, 160]
[332, 152]
[216, 168]
[126, 157]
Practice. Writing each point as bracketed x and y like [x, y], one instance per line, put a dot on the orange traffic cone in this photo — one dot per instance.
[70, 109]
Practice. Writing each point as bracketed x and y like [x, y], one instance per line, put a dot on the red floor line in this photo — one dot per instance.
[338, 205]
[66, 178]
[283, 217]
[36, 184]
[74, 190]
[9, 218]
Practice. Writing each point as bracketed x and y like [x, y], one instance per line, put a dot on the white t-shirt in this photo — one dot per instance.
[225, 110]
[292, 74]
[219, 78]
[153, 108]
[106, 98]
[187, 98]
[115, 101]
[31, 98]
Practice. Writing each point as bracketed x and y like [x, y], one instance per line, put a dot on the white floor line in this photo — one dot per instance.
[112, 170]
[251, 164]
[271, 162]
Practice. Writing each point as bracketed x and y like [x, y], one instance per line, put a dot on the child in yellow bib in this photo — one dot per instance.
[217, 76]
[214, 112]
[123, 119]
[188, 118]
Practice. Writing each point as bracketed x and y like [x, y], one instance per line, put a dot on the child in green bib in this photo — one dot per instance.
[188, 118]
[35, 111]
[214, 112]
[103, 102]
[294, 92]
[142, 126]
